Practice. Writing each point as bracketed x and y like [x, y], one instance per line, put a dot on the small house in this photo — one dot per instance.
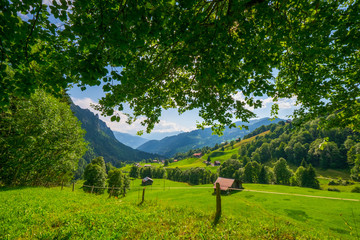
[175, 160]
[147, 181]
[197, 155]
[147, 165]
[227, 184]
[217, 163]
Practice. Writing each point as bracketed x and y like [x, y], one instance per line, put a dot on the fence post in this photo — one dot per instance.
[218, 203]
[143, 196]
[62, 185]
[111, 192]
[92, 189]
[73, 186]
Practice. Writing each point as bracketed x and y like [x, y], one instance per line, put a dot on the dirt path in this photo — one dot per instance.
[302, 195]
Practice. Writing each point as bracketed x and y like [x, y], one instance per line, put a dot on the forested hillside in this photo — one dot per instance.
[334, 148]
[103, 142]
[278, 154]
[184, 142]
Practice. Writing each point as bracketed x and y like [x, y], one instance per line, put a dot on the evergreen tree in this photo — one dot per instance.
[99, 161]
[303, 163]
[282, 172]
[263, 176]
[309, 179]
[109, 167]
[134, 172]
[95, 175]
[228, 168]
[116, 180]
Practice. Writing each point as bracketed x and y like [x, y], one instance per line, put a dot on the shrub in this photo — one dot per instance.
[356, 190]
[332, 183]
[333, 189]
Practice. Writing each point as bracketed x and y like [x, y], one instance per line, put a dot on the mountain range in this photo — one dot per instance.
[183, 142]
[130, 140]
[103, 142]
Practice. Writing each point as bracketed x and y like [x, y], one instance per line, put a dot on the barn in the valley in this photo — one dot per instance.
[147, 181]
[228, 184]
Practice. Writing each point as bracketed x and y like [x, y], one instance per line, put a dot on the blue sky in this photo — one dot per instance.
[170, 120]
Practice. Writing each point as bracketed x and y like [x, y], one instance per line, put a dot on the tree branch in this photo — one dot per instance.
[31, 32]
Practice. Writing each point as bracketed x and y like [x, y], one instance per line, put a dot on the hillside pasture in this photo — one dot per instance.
[177, 210]
[307, 208]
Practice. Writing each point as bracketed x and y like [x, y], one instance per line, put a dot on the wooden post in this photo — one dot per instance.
[62, 185]
[218, 203]
[92, 189]
[111, 191]
[73, 186]
[143, 196]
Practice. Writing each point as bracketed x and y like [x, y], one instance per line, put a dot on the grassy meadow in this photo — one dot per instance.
[174, 210]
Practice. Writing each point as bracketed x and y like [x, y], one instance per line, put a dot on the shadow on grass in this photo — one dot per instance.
[7, 188]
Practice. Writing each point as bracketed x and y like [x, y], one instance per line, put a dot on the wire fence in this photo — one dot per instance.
[102, 187]
[229, 189]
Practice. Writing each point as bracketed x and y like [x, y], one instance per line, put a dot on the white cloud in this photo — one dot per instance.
[239, 96]
[284, 103]
[287, 103]
[166, 126]
[84, 103]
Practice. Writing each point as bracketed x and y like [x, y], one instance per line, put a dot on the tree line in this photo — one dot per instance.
[194, 176]
[280, 173]
[99, 175]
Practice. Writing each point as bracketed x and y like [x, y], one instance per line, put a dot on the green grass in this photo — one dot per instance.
[330, 217]
[175, 210]
[216, 155]
[324, 184]
[181, 212]
[334, 174]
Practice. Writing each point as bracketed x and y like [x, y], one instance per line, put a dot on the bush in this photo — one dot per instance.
[333, 189]
[332, 183]
[356, 190]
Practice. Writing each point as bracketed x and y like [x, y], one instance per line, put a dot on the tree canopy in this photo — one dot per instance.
[215, 56]
[41, 141]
